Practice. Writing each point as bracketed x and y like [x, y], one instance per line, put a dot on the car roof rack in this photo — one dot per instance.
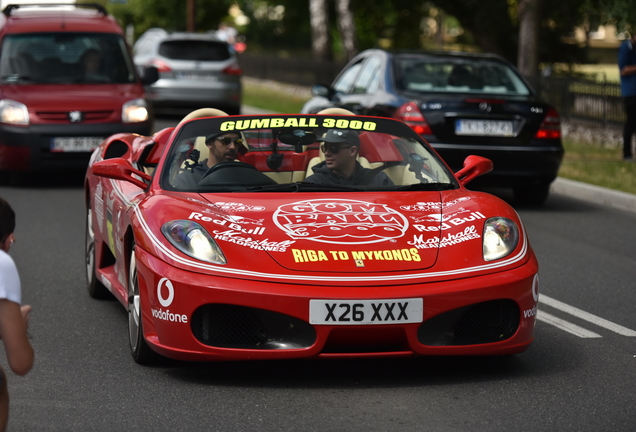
[12, 7]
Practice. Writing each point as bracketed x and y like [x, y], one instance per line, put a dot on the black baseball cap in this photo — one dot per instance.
[341, 136]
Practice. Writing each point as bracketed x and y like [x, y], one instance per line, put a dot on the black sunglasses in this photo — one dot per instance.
[333, 148]
[228, 140]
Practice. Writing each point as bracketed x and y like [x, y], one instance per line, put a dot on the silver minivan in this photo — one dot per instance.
[196, 70]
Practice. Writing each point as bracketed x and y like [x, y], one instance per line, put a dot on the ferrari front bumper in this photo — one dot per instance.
[192, 316]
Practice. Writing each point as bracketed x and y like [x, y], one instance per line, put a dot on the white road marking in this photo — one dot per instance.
[601, 322]
[566, 326]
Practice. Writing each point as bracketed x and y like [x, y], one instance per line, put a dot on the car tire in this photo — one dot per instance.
[96, 289]
[532, 195]
[141, 352]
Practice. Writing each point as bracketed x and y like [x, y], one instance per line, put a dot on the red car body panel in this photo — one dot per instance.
[282, 252]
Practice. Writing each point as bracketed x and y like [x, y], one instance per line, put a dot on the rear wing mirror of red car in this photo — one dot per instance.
[121, 169]
[474, 166]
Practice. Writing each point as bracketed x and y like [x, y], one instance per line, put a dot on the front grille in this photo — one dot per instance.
[486, 322]
[366, 339]
[231, 326]
[63, 117]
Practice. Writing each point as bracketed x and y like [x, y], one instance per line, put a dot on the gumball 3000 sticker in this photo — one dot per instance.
[340, 221]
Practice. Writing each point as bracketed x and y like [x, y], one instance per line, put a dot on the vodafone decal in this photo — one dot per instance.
[165, 287]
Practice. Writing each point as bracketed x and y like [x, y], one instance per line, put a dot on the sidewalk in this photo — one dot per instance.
[595, 194]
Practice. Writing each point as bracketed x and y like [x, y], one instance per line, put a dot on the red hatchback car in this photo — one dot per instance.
[67, 81]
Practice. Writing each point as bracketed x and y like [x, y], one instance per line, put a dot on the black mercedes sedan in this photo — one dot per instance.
[462, 104]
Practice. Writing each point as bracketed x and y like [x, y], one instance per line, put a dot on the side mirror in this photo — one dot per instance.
[474, 166]
[321, 91]
[121, 169]
[326, 92]
[149, 75]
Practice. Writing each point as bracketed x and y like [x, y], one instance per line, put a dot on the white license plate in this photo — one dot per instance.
[75, 144]
[195, 77]
[364, 312]
[484, 128]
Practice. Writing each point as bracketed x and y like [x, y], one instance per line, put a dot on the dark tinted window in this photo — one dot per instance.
[345, 81]
[63, 58]
[370, 70]
[194, 50]
[458, 75]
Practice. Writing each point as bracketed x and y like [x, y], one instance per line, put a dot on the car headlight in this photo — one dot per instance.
[13, 112]
[193, 240]
[501, 236]
[134, 111]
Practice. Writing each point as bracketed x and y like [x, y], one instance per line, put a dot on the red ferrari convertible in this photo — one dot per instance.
[308, 235]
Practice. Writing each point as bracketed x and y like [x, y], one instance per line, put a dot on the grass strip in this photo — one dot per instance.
[274, 96]
[598, 165]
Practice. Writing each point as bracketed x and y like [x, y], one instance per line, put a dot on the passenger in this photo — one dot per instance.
[341, 148]
[14, 319]
[91, 62]
[222, 147]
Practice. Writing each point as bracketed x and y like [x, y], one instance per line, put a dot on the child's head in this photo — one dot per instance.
[7, 221]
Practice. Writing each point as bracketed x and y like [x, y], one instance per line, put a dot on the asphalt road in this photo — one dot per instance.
[579, 375]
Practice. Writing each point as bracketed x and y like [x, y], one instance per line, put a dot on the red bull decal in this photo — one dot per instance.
[340, 221]
[228, 223]
[447, 222]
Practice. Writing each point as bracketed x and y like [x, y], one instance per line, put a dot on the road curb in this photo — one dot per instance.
[595, 194]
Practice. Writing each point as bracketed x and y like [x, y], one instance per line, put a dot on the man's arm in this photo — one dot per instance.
[13, 329]
[626, 64]
[628, 70]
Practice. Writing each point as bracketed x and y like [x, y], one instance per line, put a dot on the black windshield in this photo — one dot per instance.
[65, 58]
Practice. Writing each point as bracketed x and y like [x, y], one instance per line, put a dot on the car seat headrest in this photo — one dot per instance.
[204, 112]
[335, 110]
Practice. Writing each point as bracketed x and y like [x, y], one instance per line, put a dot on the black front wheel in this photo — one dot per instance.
[139, 348]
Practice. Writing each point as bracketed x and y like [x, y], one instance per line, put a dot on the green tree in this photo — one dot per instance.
[169, 14]
[277, 25]
[622, 13]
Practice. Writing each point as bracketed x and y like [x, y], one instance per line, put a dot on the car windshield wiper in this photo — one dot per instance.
[302, 187]
[427, 187]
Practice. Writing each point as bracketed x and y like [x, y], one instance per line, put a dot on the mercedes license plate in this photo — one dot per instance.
[484, 128]
[364, 312]
[75, 144]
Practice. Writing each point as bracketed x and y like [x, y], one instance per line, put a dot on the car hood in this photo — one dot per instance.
[369, 239]
[82, 97]
[321, 233]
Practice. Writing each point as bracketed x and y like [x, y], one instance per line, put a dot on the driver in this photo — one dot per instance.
[340, 167]
[224, 147]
